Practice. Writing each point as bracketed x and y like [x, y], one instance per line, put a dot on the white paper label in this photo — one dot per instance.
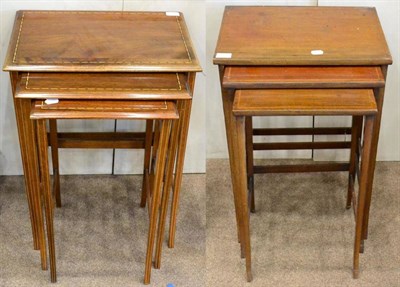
[223, 55]
[317, 52]
[51, 101]
[172, 13]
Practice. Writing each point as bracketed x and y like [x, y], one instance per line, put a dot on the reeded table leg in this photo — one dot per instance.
[46, 194]
[171, 155]
[27, 139]
[147, 157]
[21, 125]
[158, 178]
[184, 119]
[54, 159]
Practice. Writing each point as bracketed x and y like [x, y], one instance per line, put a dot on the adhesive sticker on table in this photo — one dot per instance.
[51, 101]
[317, 52]
[172, 13]
[223, 55]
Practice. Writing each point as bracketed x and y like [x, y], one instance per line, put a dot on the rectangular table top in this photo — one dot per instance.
[140, 110]
[256, 77]
[96, 86]
[94, 41]
[267, 35]
[306, 102]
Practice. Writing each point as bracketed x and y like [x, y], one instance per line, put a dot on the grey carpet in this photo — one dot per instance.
[301, 233]
[101, 235]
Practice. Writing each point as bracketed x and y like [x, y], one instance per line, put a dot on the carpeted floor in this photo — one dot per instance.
[101, 235]
[301, 233]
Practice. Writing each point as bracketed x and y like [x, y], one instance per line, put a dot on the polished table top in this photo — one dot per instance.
[266, 35]
[273, 77]
[86, 41]
[101, 86]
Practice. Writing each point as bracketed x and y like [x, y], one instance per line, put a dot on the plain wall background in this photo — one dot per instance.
[389, 143]
[74, 161]
[207, 132]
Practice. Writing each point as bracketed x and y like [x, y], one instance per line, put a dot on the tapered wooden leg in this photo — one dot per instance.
[156, 140]
[54, 158]
[379, 97]
[147, 156]
[46, 194]
[23, 122]
[241, 179]
[227, 100]
[27, 138]
[355, 130]
[154, 150]
[365, 166]
[227, 103]
[184, 118]
[26, 134]
[166, 190]
[159, 173]
[250, 161]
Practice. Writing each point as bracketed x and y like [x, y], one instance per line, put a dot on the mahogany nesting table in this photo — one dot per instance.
[263, 51]
[164, 113]
[113, 56]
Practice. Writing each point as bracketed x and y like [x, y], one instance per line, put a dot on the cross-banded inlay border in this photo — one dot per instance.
[103, 62]
[45, 106]
[179, 87]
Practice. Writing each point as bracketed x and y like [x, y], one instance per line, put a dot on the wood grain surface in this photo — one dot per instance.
[69, 109]
[132, 86]
[287, 36]
[100, 41]
[303, 77]
[304, 102]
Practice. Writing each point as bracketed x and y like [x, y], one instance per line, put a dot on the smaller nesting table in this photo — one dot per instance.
[344, 102]
[163, 111]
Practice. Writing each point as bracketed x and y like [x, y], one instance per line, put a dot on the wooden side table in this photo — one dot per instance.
[83, 42]
[164, 112]
[293, 38]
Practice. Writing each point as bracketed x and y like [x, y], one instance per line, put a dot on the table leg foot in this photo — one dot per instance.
[53, 278]
[356, 273]
[251, 194]
[44, 266]
[362, 246]
[249, 276]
